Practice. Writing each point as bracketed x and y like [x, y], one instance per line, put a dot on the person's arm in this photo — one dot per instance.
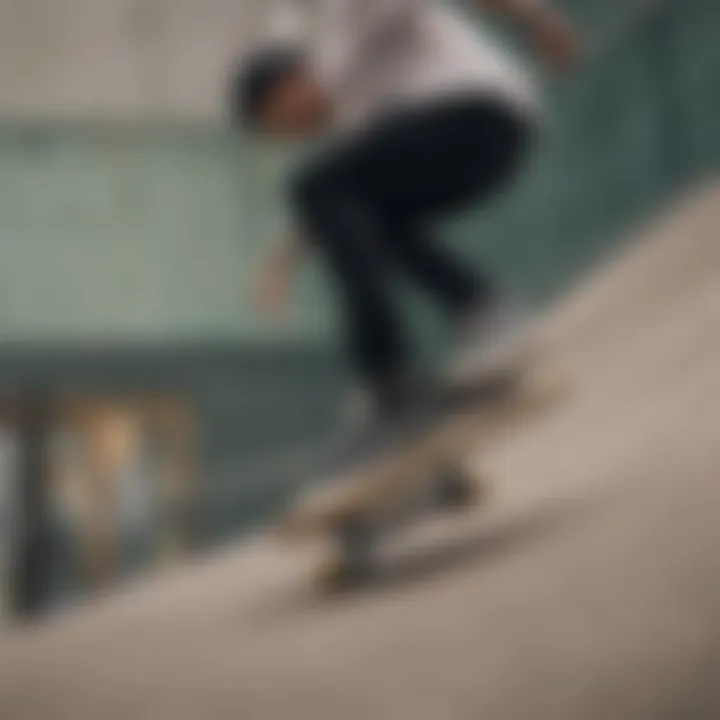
[275, 279]
[547, 27]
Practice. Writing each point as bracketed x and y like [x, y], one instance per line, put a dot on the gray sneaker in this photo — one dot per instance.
[369, 425]
[492, 339]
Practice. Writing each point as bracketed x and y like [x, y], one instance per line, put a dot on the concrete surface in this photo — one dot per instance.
[589, 591]
[122, 59]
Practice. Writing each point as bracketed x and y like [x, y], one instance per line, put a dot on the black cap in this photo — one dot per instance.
[257, 75]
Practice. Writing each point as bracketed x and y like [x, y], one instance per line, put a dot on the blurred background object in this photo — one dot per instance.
[8, 515]
[131, 224]
[95, 488]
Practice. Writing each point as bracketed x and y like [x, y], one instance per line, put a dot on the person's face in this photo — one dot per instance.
[297, 108]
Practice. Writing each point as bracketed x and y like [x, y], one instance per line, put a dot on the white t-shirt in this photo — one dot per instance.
[375, 55]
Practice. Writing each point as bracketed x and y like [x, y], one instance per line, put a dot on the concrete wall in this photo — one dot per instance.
[120, 59]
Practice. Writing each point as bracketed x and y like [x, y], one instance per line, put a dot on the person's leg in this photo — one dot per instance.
[455, 285]
[342, 224]
[428, 164]
[362, 205]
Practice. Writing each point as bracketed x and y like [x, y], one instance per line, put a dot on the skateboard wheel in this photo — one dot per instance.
[456, 490]
[339, 574]
[354, 557]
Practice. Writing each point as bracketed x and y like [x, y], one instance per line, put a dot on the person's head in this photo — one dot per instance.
[274, 92]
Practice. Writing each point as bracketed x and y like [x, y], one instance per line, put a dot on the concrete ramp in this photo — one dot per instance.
[590, 590]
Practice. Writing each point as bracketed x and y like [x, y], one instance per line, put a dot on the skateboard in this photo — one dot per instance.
[423, 472]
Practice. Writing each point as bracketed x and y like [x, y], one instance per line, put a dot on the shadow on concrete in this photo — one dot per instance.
[492, 544]
[488, 545]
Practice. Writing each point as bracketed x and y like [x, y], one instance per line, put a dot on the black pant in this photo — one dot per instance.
[367, 203]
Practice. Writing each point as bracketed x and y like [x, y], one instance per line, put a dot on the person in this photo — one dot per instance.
[426, 115]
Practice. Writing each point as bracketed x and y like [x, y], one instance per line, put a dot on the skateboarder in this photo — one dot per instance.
[425, 116]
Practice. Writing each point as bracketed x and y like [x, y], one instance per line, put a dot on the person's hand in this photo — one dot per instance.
[271, 292]
[556, 41]
[550, 32]
[272, 289]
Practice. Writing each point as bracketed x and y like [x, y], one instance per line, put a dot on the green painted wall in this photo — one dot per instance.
[128, 233]
[639, 122]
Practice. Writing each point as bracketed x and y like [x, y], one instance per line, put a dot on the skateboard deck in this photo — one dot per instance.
[420, 475]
